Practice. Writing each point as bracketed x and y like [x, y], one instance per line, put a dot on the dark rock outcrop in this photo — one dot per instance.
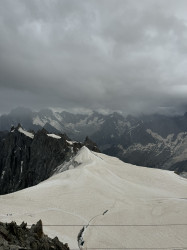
[91, 145]
[27, 159]
[14, 237]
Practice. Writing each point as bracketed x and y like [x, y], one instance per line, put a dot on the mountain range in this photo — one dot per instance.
[155, 141]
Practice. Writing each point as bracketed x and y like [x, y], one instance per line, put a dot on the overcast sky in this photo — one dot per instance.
[128, 55]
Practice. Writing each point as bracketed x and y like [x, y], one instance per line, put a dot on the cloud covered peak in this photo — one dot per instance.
[116, 55]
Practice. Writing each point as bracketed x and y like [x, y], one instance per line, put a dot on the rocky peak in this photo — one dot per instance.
[42, 131]
[38, 229]
[91, 145]
[15, 128]
[14, 237]
[64, 136]
[12, 129]
[18, 126]
[28, 159]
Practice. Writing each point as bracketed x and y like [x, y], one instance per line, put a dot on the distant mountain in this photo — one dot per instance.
[155, 141]
[77, 126]
[27, 158]
[165, 153]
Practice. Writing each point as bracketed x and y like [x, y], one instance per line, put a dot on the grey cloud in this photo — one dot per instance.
[126, 55]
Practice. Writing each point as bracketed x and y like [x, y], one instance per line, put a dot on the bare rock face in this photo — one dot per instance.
[26, 158]
[14, 237]
[38, 229]
[91, 145]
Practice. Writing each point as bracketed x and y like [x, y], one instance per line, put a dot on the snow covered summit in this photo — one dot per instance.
[106, 203]
[85, 155]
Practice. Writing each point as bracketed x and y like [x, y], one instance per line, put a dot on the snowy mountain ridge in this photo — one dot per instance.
[27, 158]
[105, 203]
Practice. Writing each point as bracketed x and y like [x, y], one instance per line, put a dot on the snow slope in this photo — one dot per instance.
[121, 205]
[54, 136]
[21, 130]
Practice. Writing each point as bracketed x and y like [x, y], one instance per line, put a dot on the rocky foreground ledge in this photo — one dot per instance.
[14, 237]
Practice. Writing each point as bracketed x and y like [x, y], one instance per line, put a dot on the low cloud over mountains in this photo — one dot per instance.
[123, 55]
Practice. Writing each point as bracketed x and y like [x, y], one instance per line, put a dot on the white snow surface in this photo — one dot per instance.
[125, 206]
[21, 130]
[54, 136]
[71, 142]
[38, 121]
[43, 120]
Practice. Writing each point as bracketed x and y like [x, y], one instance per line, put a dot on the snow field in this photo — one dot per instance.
[107, 195]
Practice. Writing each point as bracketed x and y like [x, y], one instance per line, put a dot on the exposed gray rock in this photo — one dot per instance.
[91, 145]
[14, 237]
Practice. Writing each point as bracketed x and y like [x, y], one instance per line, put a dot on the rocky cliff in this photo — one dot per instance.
[27, 158]
[14, 237]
